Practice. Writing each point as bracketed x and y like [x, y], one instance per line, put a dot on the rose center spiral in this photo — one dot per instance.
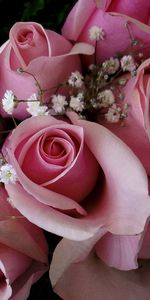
[53, 148]
[25, 36]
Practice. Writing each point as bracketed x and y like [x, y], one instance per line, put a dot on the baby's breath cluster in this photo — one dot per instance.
[99, 91]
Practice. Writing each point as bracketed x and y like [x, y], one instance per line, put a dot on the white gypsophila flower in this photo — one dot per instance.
[76, 79]
[35, 108]
[7, 174]
[105, 98]
[59, 102]
[111, 65]
[8, 102]
[113, 114]
[128, 63]
[76, 103]
[96, 33]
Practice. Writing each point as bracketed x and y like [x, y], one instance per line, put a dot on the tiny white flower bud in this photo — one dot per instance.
[111, 65]
[7, 174]
[113, 115]
[128, 63]
[58, 103]
[76, 103]
[35, 108]
[9, 102]
[96, 33]
[105, 98]
[76, 79]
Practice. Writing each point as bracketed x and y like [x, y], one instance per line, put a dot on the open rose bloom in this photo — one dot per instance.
[79, 170]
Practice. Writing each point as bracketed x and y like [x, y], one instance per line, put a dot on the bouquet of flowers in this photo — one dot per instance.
[74, 158]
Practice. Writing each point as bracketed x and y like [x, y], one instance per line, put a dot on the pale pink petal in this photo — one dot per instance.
[50, 219]
[92, 279]
[68, 252]
[25, 38]
[19, 234]
[123, 191]
[13, 263]
[75, 21]
[119, 251]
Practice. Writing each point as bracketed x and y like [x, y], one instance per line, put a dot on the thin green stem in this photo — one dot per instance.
[14, 121]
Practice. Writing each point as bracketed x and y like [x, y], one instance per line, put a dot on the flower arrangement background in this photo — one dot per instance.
[75, 154]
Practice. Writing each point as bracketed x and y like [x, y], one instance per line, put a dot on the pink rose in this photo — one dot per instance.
[111, 17]
[69, 179]
[45, 54]
[23, 252]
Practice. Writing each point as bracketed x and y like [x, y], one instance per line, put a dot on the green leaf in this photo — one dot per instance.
[32, 8]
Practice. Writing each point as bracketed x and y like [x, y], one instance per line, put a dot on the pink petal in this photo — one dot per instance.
[132, 9]
[75, 21]
[71, 252]
[25, 38]
[13, 263]
[126, 185]
[119, 251]
[30, 239]
[92, 279]
[48, 218]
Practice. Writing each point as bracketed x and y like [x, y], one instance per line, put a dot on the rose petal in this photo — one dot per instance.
[10, 258]
[92, 279]
[75, 21]
[132, 9]
[17, 233]
[123, 190]
[25, 38]
[72, 252]
[48, 218]
[118, 251]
